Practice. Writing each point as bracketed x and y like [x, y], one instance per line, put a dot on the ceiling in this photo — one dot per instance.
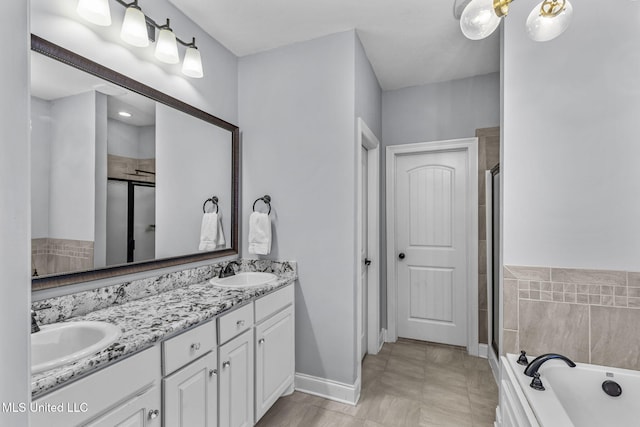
[52, 79]
[408, 42]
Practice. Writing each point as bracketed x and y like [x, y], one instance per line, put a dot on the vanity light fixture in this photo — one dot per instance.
[134, 26]
[167, 46]
[547, 20]
[138, 30]
[95, 11]
[192, 64]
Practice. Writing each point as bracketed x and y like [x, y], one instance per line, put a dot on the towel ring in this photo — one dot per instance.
[214, 200]
[267, 201]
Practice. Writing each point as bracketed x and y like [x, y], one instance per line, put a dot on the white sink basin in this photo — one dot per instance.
[62, 343]
[244, 280]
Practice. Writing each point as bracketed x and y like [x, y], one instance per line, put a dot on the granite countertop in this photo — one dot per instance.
[149, 320]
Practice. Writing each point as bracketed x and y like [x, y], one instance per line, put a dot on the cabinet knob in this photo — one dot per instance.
[195, 346]
[153, 413]
[225, 364]
[261, 341]
[401, 255]
[213, 372]
[240, 323]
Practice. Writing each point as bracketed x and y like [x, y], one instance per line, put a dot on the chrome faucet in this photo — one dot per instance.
[34, 322]
[227, 270]
[532, 368]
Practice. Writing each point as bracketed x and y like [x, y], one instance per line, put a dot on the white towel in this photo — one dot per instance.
[259, 233]
[211, 233]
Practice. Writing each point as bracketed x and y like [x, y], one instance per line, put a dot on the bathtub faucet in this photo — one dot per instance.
[532, 368]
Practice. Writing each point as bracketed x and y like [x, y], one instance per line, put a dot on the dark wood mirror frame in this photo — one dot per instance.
[61, 54]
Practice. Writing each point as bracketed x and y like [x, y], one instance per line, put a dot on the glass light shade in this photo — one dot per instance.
[479, 20]
[95, 11]
[167, 47]
[192, 64]
[542, 28]
[134, 28]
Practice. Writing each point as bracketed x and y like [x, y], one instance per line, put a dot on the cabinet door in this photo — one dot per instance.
[190, 394]
[274, 359]
[236, 381]
[140, 411]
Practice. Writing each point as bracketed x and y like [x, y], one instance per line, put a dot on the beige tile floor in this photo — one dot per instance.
[408, 384]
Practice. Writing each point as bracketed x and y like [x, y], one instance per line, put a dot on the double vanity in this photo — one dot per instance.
[207, 354]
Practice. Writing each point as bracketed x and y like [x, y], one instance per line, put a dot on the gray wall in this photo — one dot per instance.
[296, 109]
[100, 226]
[73, 167]
[15, 256]
[571, 108]
[434, 112]
[40, 166]
[193, 163]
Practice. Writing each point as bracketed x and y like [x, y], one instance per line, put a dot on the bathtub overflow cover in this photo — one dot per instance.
[612, 388]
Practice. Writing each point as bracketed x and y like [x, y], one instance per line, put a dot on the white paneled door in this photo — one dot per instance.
[431, 258]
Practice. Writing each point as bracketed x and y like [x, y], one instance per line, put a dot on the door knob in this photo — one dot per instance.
[401, 255]
[367, 261]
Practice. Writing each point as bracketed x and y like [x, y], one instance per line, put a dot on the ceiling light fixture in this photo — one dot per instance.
[547, 20]
[124, 114]
[95, 11]
[138, 30]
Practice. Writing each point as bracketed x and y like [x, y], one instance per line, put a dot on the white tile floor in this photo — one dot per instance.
[408, 384]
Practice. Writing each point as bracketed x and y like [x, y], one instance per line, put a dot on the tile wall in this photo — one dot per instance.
[53, 256]
[590, 316]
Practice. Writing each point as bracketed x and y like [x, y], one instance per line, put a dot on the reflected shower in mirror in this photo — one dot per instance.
[118, 178]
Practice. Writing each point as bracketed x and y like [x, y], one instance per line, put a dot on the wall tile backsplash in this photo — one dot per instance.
[588, 315]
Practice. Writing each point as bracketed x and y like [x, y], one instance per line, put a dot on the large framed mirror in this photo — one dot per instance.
[122, 174]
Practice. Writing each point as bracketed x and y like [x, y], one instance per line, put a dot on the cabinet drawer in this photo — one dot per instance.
[235, 322]
[187, 347]
[274, 302]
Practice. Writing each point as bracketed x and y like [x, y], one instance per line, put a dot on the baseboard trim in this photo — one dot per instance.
[483, 350]
[328, 389]
[382, 338]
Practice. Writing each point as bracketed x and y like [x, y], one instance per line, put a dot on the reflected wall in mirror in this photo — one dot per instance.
[120, 173]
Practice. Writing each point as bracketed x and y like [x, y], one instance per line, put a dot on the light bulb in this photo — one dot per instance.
[479, 20]
[167, 47]
[95, 11]
[192, 64]
[134, 27]
[549, 19]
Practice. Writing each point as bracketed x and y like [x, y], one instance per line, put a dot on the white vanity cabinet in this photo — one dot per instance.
[275, 349]
[236, 368]
[191, 382]
[125, 394]
[140, 411]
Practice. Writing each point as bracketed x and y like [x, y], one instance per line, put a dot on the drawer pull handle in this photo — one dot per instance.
[225, 364]
[153, 413]
[195, 346]
[213, 372]
[240, 323]
[261, 341]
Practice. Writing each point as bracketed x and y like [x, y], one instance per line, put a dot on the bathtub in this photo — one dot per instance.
[573, 396]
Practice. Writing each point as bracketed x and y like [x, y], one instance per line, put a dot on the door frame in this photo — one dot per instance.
[367, 139]
[470, 147]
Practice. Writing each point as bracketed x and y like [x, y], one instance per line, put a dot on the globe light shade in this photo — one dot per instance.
[95, 11]
[542, 28]
[192, 64]
[479, 20]
[134, 27]
[167, 47]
